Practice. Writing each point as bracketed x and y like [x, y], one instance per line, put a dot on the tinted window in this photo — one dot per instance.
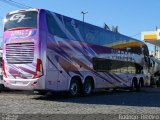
[53, 27]
[115, 66]
[21, 19]
[100, 64]
[91, 34]
[71, 26]
[106, 38]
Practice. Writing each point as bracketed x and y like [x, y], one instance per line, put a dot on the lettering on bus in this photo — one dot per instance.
[19, 17]
[22, 33]
[122, 55]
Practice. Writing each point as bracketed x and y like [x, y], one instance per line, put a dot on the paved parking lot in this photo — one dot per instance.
[105, 102]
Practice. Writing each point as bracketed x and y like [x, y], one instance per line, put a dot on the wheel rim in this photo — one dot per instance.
[74, 89]
[87, 88]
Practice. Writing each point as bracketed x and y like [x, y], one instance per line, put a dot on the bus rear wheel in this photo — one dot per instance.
[135, 85]
[87, 87]
[74, 89]
[141, 84]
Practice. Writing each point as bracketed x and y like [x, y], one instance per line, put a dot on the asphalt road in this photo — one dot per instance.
[100, 103]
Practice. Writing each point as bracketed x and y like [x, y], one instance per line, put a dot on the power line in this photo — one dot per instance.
[16, 4]
[20, 4]
[12, 4]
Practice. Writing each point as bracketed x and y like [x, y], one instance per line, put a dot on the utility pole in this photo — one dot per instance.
[83, 13]
[155, 48]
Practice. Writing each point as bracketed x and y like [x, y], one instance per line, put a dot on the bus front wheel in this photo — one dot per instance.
[74, 89]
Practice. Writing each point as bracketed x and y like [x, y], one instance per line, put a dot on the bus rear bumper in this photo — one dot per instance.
[28, 84]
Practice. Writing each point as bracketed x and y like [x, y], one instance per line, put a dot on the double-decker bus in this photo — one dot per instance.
[46, 51]
[1, 78]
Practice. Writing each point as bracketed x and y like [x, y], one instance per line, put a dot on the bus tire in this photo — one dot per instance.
[74, 89]
[140, 85]
[87, 87]
[135, 85]
[141, 82]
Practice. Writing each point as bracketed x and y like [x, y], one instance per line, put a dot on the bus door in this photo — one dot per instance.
[52, 73]
[63, 75]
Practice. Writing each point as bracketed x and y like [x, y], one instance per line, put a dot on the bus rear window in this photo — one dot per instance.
[26, 19]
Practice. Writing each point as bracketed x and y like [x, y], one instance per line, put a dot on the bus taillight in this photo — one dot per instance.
[3, 69]
[39, 69]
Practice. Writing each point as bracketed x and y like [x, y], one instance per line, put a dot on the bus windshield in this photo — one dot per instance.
[26, 19]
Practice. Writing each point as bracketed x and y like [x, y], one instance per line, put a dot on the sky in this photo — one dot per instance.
[131, 16]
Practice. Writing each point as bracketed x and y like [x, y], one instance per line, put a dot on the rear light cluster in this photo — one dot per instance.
[39, 69]
[3, 69]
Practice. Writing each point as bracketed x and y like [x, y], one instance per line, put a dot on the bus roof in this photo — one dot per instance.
[98, 27]
[36, 9]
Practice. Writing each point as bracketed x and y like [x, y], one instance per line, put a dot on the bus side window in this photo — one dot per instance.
[101, 65]
[53, 27]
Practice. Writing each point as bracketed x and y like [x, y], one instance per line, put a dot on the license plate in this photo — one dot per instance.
[19, 82]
